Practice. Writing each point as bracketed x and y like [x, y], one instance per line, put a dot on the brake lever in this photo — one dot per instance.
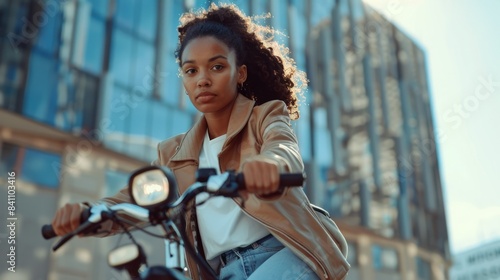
[63, 240]
[227, 185]
[224, 184]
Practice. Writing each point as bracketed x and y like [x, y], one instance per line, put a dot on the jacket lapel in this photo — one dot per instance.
[190, 146]
[240, 114]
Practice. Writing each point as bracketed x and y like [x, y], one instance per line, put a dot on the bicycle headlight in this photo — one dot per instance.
[152, 186]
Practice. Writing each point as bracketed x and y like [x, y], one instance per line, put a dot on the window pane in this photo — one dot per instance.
[40, 100]
[146, 25]
[169, 75]
[321, 10]
[121, 54]
[99, 6]
[125, 13]
[9, 87]
[298, 34]
[279, 11]
[21, 15]
[140, 142]
[171, 82]
[31, 165]
[172, 12]
[66, 112]
[299, 4]
[140, 117]
[49, 26]
[118, 115]
[160, 121]
[94, 49]
[76, 102]
[121, 104]
[87, 93]
[41, 168]
[144, 66]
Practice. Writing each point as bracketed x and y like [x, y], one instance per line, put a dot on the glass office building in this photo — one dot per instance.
[89, 87]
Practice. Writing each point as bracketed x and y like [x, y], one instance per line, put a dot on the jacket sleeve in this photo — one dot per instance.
[277, 137]
[272, 126]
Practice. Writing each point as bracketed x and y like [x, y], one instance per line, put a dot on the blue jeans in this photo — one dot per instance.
[264, 259]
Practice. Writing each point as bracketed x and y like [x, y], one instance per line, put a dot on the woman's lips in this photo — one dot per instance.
[205, 97]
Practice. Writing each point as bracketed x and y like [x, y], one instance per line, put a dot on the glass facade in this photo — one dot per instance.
[105, 70]
[378, 123]
[32, 166]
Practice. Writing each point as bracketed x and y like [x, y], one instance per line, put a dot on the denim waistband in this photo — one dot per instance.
[230, 255]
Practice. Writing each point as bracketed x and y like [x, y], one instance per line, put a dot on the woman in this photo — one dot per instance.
[245, 86]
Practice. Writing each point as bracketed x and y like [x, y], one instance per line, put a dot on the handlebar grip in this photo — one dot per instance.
[48, 231]
[286, 180]
[291, 180]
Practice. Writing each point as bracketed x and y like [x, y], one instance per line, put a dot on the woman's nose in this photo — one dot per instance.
[204, 81]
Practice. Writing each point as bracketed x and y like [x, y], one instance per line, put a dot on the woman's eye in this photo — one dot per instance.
[189, 71]
[217, 67]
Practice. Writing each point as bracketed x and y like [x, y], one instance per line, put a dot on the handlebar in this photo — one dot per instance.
[226, 184]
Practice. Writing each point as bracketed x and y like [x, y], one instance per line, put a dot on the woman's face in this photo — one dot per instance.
[210, 75]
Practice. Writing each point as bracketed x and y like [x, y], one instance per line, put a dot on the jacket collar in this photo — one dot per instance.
[191, 144]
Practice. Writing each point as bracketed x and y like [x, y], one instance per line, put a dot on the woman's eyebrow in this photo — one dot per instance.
[209, 60]
[216, 57]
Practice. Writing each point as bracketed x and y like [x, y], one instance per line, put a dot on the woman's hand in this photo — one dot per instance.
[67, 218]
[261, 176]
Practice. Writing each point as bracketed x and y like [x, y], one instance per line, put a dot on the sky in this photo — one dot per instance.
[461, 39]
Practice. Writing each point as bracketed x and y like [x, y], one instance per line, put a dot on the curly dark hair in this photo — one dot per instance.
[272, 74]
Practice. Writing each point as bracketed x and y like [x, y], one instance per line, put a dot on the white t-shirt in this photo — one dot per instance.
[223, 225]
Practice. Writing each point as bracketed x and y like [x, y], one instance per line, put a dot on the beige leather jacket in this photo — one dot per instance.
[261, 131]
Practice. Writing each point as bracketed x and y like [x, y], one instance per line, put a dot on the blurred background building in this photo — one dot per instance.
[481, 262]
[89, 87]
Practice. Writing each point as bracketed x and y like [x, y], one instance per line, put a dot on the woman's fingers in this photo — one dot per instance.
[67, 218]
[261, 177]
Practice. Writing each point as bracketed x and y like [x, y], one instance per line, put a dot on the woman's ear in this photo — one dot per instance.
[242, 74]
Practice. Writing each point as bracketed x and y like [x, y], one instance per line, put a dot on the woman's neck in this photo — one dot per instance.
[218, 122]
[217, 125]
